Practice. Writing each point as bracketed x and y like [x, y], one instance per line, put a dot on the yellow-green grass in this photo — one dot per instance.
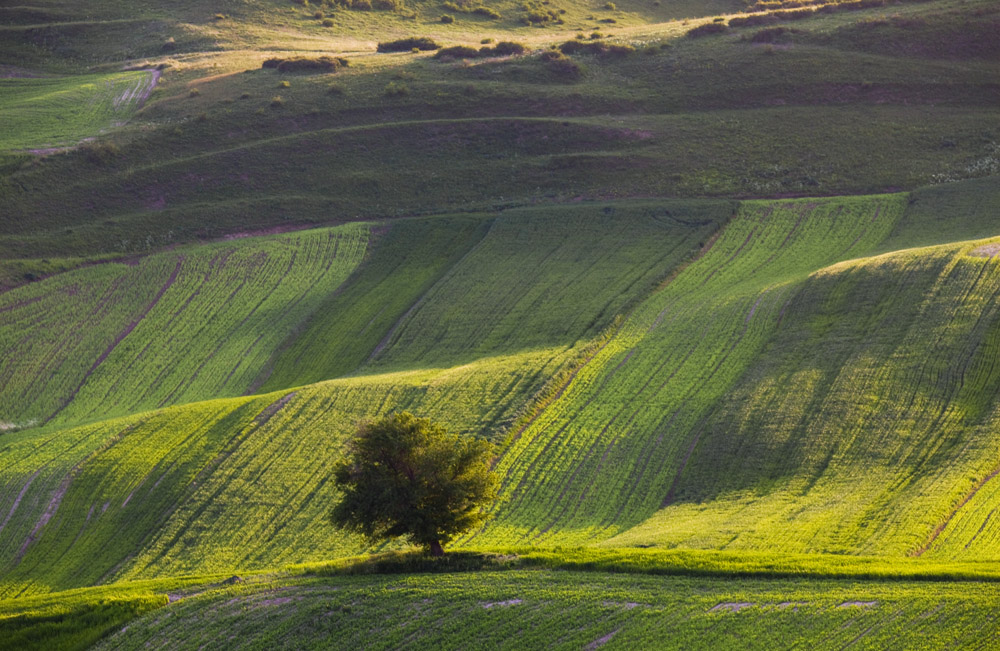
[702, 117]
[569, 610]
[607, 453]
[243, 483]
[445, 291]
[871, 433]
[173, 327]
[52, 112]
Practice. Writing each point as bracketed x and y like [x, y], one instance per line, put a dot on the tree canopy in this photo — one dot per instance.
[405, 476]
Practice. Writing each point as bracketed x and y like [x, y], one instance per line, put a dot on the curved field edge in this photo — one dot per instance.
[873, 434]
[606, 454]
[559, 609]
[309, 602]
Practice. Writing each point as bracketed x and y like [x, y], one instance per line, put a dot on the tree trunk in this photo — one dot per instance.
[436, 549]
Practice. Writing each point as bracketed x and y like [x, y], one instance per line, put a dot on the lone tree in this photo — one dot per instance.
[406, 476]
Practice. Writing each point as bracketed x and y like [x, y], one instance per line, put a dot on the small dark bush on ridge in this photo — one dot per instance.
[599, 48]
[409, 44]
[707, 29]
[304, 64]
[774, 35]
[501, 49]
[457, 52]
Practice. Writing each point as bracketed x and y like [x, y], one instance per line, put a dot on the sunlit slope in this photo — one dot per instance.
[869, 424]
[548, 277]
[178, 326]
[521, 609]
[608, 452]
[50, 112]
[214, 486]
[244, 482]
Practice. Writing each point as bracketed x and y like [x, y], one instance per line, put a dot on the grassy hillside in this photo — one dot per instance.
[174, 327]
[568, 610]
[223, 145]
[50, 112]
[719, 278]
[243, 482]
[858, 435]
[610, 449]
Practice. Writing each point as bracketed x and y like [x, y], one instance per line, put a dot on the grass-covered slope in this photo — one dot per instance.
[863, 433]
[52, 112]
[521, 609]
[607, 453]
[178, 326]
[224, 145]
[244, 482]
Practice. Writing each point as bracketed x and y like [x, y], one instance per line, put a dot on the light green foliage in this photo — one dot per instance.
[404, 476]
[606, 454]
[61, 111]
[569, 610]
[174, 327]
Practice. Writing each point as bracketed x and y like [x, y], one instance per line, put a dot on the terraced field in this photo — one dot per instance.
[53, 112]
[721, 282]
[864, 435]
[243, 483]
[608, 453]
[173, 327]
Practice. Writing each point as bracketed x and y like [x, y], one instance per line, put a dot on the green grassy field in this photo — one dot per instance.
[41, 113]
[544, 609]
[726, 304]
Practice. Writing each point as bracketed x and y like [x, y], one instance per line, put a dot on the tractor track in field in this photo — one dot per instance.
[119, 338]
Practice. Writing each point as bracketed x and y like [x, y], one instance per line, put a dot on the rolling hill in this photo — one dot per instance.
[719, 280]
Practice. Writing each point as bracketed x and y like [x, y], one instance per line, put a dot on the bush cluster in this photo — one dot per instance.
[538, 16]
[707, 30]
[409, 44]
[774, 35]
[468, 7]
[789, 10]
[305, 64]
[599, 48]
[561, 66]
[501, 49]
[369, 5]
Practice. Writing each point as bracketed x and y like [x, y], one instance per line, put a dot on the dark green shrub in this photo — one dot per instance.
[598, 48]
[707, 29]
[564, 68]
[305, 64]
[447, 19]
[457, 52]
[488, 12]
[753, 21]
[408, 44]
[396, 89]
[773, 35]
[328, 22]
[506, 49]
